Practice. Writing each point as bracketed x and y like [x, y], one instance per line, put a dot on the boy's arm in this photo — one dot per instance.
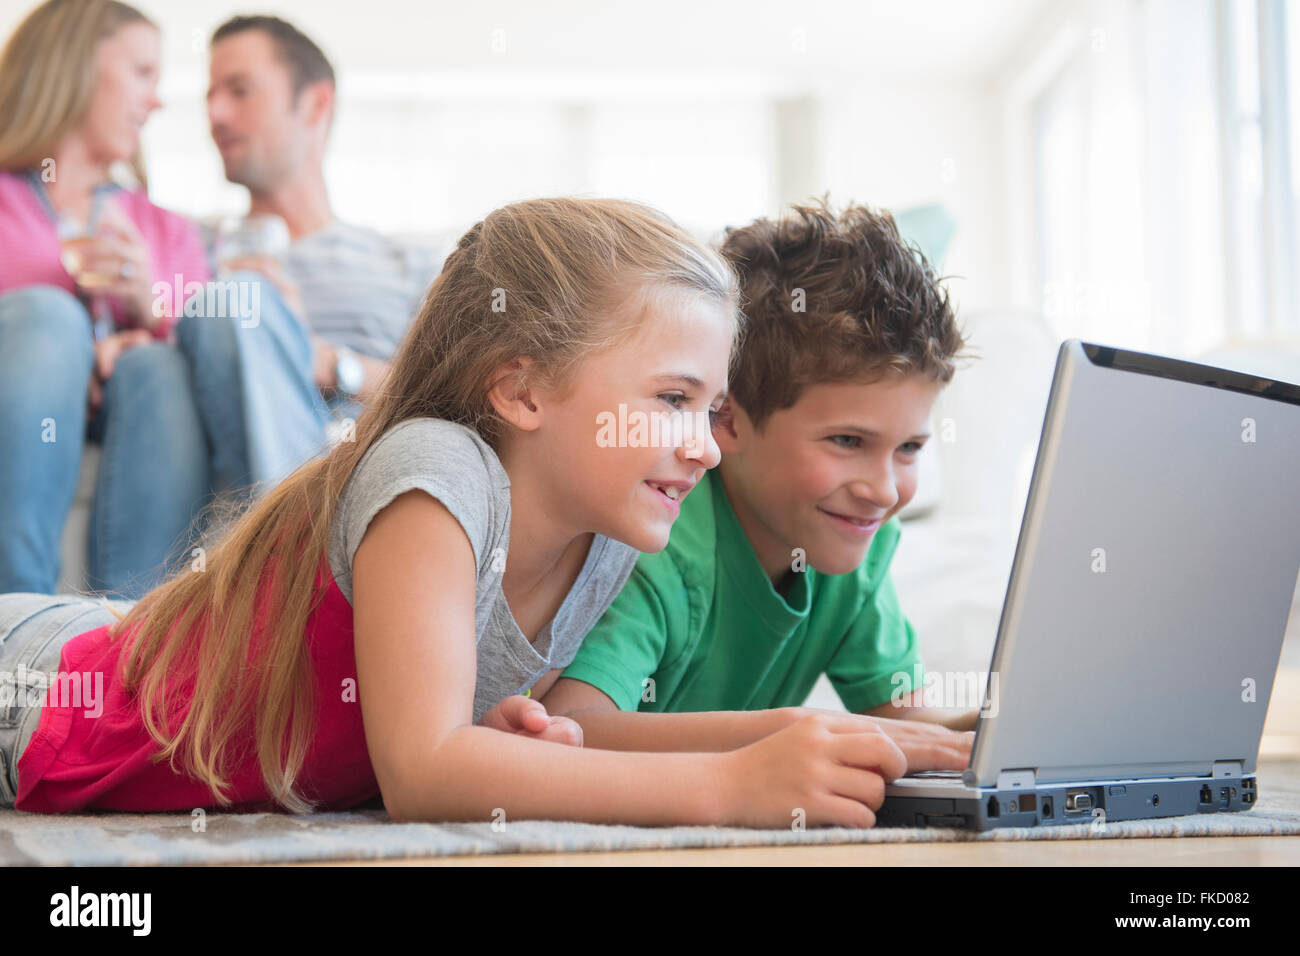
[911, 708]
[606, 727]
[926, 747]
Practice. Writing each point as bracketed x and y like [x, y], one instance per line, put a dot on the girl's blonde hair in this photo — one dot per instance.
[535, 279]
[47, 76]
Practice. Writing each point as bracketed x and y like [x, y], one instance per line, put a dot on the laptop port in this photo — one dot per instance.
[1047, 808]
[994, 810]
[1077, 801]
[1207, 796]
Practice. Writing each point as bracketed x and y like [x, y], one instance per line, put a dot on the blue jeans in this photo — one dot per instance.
[141, 510]
[254, 386]
[33, 630]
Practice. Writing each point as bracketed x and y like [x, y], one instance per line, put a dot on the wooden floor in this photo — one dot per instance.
[1200, 851]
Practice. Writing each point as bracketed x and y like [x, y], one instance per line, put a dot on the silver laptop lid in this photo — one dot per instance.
[1154, 573]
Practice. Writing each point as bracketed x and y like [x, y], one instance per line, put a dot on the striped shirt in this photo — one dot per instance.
[361, 290]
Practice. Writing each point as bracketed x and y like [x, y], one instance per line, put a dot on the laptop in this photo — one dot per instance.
[1149, 595]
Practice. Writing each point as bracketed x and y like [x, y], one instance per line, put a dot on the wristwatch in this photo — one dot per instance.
[348, 372]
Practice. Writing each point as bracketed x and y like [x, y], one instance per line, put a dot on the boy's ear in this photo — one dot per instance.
[724, 426]
[511, 396]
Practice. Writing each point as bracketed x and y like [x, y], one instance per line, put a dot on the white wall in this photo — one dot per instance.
[715, 112]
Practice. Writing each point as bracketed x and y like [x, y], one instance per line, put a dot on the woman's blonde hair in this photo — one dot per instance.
[47, 76]
[539, 280]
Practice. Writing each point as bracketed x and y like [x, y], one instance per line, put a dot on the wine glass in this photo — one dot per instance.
[75, 242]
[250, 237]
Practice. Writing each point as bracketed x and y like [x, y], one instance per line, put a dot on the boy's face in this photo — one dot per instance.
[826, 473]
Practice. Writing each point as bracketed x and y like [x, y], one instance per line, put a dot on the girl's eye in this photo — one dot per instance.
[675, 399]
[850, 441]
[911, 448]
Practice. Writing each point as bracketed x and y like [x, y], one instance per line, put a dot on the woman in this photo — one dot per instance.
[78, 79]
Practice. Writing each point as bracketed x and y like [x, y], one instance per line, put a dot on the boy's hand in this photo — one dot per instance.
[528, 718]
[926, 746]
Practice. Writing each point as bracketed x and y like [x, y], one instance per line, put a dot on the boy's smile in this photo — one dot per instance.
[826, 473]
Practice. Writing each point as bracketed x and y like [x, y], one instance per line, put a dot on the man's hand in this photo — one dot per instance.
[528, 718]
[274, 271]
[324, 360]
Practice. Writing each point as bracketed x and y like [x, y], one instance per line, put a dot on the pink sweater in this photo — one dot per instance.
[29, 246]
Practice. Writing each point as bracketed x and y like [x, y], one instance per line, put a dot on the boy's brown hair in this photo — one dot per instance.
[834, 298]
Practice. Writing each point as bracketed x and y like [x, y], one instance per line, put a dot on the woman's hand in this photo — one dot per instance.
[528, 718]
[119, 253]
[106, 352]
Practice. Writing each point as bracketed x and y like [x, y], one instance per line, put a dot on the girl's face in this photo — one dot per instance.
[630, 436]
[126, 92]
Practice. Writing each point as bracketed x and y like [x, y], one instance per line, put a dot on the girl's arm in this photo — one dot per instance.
[413, 612]
[925, 745]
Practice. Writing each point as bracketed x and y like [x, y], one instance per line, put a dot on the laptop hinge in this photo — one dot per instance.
[1016, 779]
[1226, 768]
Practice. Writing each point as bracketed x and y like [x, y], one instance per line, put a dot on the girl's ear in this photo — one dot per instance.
[724, 427]
[512, 397]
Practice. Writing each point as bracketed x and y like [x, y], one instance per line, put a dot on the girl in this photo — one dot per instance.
[349, 632]
[78, 78]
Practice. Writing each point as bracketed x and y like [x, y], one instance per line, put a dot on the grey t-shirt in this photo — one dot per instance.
[453, 464]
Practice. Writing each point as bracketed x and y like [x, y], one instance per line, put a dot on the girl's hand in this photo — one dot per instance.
[528, 718]
[814, 772]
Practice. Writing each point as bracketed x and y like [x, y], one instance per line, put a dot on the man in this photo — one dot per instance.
[268, 387]
[330, 320]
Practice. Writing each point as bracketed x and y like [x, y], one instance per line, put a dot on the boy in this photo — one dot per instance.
[777, 569]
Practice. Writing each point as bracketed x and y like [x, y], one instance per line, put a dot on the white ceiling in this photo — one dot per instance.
[936, 39]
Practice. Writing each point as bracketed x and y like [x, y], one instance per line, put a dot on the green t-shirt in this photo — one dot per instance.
[703, 622]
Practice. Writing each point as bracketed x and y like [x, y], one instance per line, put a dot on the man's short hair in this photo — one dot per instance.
[307, 64]
[833, 298]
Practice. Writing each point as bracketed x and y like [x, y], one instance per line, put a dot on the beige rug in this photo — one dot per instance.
[112, 839]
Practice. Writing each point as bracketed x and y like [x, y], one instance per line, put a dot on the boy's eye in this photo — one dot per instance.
[849, 441]
[911, 448]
